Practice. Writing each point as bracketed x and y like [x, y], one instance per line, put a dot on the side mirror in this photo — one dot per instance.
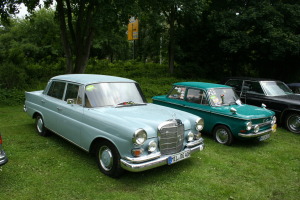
[233, 110]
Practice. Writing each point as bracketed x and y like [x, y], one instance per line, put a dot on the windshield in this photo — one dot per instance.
[223, 96]
[113, 94]
[275, 88]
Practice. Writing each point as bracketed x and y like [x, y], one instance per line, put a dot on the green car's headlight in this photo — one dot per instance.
[248, 126]
[273, 120]
[199, 124]
[139, 136]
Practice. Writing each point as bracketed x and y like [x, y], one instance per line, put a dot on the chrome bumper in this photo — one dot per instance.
[252, 135]
[156, 159]
[3, 158]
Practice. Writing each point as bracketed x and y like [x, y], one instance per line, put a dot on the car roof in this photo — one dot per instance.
[249, 78]
[202, 85]
[90, 78]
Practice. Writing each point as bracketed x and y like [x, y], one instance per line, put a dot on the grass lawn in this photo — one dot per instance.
[51, 168]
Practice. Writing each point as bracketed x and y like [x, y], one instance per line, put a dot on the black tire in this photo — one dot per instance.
[223, 135]
[108, 159]
[39, 125]
[292, 122]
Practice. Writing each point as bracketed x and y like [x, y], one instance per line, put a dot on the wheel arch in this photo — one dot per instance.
[97, 140]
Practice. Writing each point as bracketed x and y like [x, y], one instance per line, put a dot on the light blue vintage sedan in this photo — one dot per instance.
[224, 114]
[110, 117]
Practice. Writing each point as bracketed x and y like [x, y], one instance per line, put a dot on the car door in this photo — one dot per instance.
[71, 113]
[196, 102]
[51, 101]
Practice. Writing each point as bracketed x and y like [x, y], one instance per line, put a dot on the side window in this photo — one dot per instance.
[236, 84]
[56, 90]
[196, 96]
[177, 93]
[253, 87]
[72, 92]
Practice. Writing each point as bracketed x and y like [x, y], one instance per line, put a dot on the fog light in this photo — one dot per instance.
[152, 146]
[190, 137]
[137, 152]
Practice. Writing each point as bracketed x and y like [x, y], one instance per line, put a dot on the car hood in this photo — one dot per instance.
[147, 117]
[245, 111]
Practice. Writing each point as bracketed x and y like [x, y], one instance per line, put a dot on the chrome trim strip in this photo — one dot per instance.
[194, 143]
[144, 158]
[251, 135]
[209, 111]
[163, 160]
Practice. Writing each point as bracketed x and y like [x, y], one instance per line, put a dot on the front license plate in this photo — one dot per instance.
[264, 137]
[179, 156]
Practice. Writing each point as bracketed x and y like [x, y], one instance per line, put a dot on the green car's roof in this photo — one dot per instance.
[201, 85]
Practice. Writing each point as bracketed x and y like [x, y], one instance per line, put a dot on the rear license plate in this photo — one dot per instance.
[264, 137]
[179, 156]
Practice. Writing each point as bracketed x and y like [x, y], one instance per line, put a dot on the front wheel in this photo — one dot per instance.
[292, 122]
[108, 159]
[223, 135]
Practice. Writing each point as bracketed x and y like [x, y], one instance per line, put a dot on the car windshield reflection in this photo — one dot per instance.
[113, 94]
[275, 88]
[223, 97]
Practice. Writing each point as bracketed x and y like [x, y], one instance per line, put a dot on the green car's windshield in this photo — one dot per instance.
[223, 96]
[113, 94]
[275, 88]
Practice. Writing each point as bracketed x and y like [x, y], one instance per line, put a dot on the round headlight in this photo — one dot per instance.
[199, 124]
[273, 120]
[139, 136]
[152, 146]
[190, 136]
[256, 128]
[248, 126]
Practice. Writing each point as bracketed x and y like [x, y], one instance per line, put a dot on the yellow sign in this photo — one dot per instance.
[133, 30]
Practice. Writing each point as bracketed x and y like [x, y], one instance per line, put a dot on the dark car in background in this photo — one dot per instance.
[3, 157]
[276, 95]
[295, 87]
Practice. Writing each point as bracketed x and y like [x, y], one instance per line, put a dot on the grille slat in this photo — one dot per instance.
[171, 136]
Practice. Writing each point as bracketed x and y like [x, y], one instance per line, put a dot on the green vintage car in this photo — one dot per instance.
[224, 115]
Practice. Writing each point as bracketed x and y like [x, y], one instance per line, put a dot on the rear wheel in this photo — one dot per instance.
[39, 125]
[108, 159]
[223, 135]
[292, 122]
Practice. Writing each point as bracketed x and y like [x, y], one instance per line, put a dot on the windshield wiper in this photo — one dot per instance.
[129, 103]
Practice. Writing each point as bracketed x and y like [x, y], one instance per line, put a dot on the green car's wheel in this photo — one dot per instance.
[223, 135]
[292, 122]
[108, 159]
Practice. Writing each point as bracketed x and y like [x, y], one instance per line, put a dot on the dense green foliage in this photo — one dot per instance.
[52, 168]
[210, 40]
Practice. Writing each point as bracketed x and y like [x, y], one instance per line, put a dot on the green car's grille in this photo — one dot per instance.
[171, 136]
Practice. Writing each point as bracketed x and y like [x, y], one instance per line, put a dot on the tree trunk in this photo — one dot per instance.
[64, 38]
[171, 46]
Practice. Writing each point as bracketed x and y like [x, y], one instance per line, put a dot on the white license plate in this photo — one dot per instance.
[264, 137]
[179, 156]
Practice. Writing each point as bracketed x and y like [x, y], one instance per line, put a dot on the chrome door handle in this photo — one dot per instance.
[58, 108]
[42, 101]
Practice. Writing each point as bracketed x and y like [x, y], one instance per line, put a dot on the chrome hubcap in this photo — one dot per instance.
[106, 158]
[39, 125]
[222, 136]
[294, 123]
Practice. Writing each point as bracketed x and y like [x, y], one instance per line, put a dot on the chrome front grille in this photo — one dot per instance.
[171, 136]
